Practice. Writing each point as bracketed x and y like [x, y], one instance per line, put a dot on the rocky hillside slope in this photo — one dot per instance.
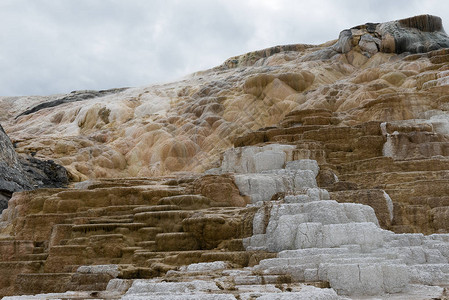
[185, 125]
[291, 172]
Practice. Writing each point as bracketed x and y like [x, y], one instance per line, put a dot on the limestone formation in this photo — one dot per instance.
[298, 171]
[322, 240]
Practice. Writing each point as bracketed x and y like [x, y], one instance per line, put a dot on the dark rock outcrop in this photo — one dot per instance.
[72, 97]
[25, 173]
[417, 34]
[12, 177]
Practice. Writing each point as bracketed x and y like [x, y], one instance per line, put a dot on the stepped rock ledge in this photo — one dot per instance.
[294, 172]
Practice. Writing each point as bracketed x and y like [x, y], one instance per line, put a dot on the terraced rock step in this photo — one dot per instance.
[396, 157]
[145, 238]
[320, 242]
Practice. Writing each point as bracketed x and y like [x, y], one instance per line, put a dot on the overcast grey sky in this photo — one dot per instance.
[56, 46]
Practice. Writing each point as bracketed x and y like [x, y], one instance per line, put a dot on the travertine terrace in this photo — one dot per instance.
[294, 172]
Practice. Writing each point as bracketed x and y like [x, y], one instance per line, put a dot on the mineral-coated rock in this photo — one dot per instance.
[303, 164]
[341, 243]
[213, 266]
[256, 159]
[111, 270]
[262, 182]
[146, 286]
[262, 187]
[306, 293]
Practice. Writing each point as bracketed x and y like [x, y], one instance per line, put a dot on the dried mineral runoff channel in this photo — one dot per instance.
[295, 172]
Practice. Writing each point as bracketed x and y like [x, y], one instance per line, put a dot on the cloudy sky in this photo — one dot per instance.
[56, 46]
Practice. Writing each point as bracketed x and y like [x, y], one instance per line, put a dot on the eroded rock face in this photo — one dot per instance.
[19, 173]
[414, 35]
[417, 34]
[12, 175]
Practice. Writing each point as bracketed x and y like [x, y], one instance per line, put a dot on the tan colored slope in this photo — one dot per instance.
[153, 130]
[161, 129]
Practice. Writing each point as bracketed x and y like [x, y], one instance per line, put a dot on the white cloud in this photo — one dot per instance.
[51, 46]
